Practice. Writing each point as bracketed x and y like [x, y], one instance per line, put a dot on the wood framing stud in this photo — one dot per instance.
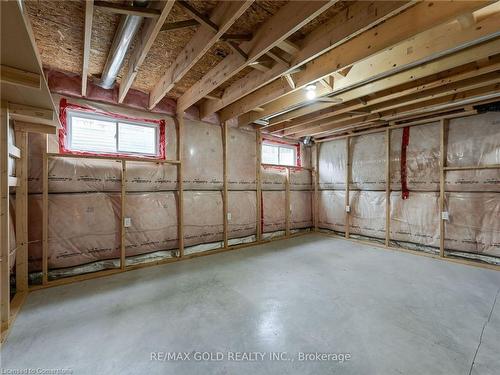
[18, 77]
[123, 260]
[127, 10]
[87, 36]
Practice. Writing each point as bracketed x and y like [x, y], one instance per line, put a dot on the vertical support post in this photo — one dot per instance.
[4, 219]
[22, 213]
[180, 182]
[347, 178]
[287, 202]
[45, 215]
[316, 188]
[258, 187]
[387, 186]
[224, 186]
[442, 166]
[122, 212]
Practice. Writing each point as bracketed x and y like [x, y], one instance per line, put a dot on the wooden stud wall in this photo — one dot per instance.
[444, 123]
[4, 219]
[16, 148]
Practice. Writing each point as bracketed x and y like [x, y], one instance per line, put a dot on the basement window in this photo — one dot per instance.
[93, 133]
[279, 154]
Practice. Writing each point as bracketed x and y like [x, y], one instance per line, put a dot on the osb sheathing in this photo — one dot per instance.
[59, 32]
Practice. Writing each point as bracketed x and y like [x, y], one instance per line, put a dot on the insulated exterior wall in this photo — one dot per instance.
[300, 209]
[242, 208]
[83, 228]
[202, 156]
[472, 197]
[153, 222]
[273, 206]
[85, 195]
[242, 159]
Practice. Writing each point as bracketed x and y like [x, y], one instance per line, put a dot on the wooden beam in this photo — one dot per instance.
[323, 110]
[26, 113]
[179, 127]
[4, 221]
[123, 195]
[127, 10]
[179, 25]
[429, 90]
[347, 207]
[18, 77]
[224, 15]
[146, 38]
[384, 44]
[258, 187]
[22, 214]
[45, 214]
[288, 47]
[387, 187]
[442, 166]
[278, 58]
[358, 17]
[287, 202]
[290, 18]
[87, 36]
[440, 104]
[34, 128]
[201, 18]
[224, 182]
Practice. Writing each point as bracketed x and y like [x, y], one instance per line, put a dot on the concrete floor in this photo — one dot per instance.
[394, 313]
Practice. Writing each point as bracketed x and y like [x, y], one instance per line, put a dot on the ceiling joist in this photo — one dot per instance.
[146, 38]
[357, 18]
[376, 41]
[87, 35]
[224, 15]
[290, 18]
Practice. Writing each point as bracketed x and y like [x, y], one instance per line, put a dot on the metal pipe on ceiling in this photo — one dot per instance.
[127, 29]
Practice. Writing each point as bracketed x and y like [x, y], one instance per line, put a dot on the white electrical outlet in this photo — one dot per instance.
[127, 222]
[347, 208]
[229, 215]
[445, 215]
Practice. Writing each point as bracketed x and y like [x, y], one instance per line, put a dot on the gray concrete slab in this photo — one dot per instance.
[394, 313]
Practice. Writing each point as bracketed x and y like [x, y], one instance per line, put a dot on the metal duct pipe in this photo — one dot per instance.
[128, 27]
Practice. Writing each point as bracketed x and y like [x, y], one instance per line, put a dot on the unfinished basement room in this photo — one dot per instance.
[250, 187]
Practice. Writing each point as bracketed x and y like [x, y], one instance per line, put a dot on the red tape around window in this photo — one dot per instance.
[64, 106]
[404, 145]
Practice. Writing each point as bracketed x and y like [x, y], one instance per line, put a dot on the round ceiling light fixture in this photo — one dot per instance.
[310, 91]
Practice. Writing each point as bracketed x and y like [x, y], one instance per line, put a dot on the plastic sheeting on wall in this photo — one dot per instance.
[82, 228]
[368, 161]
[300, 209]
[242, 159]
[273, 206]
[471, 141]
[243, 211]
[202, 217]
[153, 222]
[474, 224]
[300, 179]
[331, 164]
[202, 156]
[272, 178]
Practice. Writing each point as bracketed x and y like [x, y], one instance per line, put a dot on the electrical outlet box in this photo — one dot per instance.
[347, 208]
[445, 215]
[229, 215]
[127, 222]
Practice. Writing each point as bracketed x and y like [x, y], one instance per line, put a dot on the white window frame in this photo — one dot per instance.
[278, 146]
[69, 120]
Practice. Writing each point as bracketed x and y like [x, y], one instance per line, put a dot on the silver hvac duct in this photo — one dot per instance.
[128, 27]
